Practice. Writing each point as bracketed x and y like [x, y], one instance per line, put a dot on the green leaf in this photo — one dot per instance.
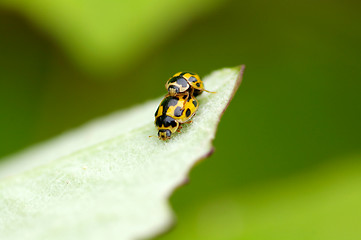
[108, 179]
[110, 35]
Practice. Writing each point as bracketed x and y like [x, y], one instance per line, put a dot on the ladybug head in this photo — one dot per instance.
[164, 134]
[173, 90]
[177, 84]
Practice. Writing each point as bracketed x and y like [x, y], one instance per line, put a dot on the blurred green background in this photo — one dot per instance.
[288, 149]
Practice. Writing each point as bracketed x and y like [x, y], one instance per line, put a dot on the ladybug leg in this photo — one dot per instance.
[179, 128]
[188, 96]
[192, 91]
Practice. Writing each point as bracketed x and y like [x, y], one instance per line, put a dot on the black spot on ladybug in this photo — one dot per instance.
[172, 122]
[185, 73]
[163, 101]
[173, 79]
[178, 111]
[167, 102]
[173, 101]
[185, 96]
[195, 103]
[197, 92]
[158, 121]
[198, 84]
[181, 81]
[192, 79]
[166, 121]
[188, 112]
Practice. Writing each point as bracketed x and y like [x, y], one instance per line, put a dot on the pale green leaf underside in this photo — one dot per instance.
[108, 179]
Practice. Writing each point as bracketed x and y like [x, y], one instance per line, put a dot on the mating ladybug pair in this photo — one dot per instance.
[179, 105]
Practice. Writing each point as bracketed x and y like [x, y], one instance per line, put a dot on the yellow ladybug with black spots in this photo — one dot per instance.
[185, 82]
[172, 112]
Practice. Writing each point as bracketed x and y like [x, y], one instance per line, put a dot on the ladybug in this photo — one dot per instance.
[172, 112]
[185, 82]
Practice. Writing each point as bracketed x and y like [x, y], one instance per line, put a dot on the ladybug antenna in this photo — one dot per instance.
[209, 91]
